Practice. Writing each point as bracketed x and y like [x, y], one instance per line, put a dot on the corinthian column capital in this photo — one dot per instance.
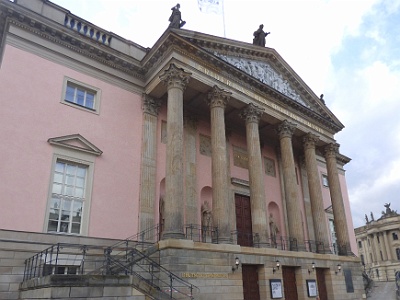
[150, 105]
[331, 150]
[218, 97]
[175, 77]
[310, 140]
[285, 129]
[251, 113]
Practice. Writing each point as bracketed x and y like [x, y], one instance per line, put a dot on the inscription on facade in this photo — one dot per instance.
[258, 98]
[203, 275]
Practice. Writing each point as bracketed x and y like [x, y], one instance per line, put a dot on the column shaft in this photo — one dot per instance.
[317, 206]
[176, 81]
[339, 212]
[148, 162]
[220, 202]
[296, 234]
[387, 247]
[252, 116]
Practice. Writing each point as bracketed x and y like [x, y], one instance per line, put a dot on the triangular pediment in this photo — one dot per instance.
[264, 72]
[75, 142]
[261, 67]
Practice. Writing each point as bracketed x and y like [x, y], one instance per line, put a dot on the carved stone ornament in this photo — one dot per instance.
[265, 73]
[175, 77]
[310, 140]
[218, 97]
[285, 129]
[251, 113]
[331, 150]
[150, 105]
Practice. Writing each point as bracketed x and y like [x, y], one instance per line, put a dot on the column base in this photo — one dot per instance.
[173, 235]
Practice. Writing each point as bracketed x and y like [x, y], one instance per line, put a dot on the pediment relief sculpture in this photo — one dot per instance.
[266, 74]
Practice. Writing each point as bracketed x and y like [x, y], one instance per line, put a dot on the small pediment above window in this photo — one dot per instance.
[75, 142]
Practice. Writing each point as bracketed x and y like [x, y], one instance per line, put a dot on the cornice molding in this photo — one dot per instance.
[68, 38]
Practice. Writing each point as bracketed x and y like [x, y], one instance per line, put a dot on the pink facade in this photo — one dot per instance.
[33, 114]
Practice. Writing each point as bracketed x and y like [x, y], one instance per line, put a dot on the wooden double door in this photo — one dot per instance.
[244, 229]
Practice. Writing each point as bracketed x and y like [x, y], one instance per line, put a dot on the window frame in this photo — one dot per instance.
[324, 178]
[87, 88]
[73, 157]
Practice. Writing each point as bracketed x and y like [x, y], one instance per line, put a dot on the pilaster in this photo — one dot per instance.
[147, 196]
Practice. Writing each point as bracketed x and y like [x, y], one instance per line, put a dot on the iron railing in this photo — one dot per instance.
[199, 233]
[63, 258]
[149, 276]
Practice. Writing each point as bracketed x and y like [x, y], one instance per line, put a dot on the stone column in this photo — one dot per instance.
[296, 233]
[147, 196]
[317, 205]
[387, 246]
[190, 131]
[176, 80]
[252, 115]
[218, 99]
[339, 212]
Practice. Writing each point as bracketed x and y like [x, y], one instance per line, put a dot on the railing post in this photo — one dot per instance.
[58, 251]
[170, 286]
[84, 250]
[107, 253]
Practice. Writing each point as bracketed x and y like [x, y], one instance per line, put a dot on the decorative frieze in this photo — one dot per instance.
[205, 145]
[265, 73]
[240, 157]
[269, 165]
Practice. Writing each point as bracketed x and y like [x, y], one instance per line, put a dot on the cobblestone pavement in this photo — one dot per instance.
[383, 291]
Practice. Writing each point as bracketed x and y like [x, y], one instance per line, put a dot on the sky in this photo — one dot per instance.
[348, 50]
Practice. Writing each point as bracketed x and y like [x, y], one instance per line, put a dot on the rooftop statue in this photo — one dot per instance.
[176, 19]
[259, 36]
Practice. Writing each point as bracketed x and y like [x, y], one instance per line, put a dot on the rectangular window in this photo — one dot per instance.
[325, 180]
[81, 96]
[395, 236]
[67, 197]
[359, 244]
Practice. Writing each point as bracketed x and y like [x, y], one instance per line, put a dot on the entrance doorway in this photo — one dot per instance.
[289, 283]
[243, 221]
[322, 292]
[251, 289]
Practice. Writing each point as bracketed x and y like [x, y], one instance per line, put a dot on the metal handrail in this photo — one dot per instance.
[140, 265]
